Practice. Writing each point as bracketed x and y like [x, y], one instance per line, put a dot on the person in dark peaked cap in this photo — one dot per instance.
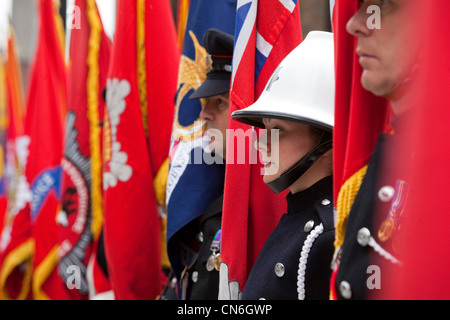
[200, 279]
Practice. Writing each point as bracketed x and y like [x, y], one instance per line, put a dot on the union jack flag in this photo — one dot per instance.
[266, 32]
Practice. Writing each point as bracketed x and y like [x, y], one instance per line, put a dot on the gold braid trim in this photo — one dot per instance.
[141, 62]
[345, 201]
[21, 254]
[92, 87]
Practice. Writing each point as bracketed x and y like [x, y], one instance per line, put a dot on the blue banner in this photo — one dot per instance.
[192, 184]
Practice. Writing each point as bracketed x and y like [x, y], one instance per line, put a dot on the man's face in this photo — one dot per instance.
[387, 54]
[215, 113]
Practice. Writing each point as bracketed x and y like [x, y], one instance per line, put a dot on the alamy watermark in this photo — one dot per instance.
[73, 17]
[374, 21]
[73, 277]
[242, 147]
[374, 280]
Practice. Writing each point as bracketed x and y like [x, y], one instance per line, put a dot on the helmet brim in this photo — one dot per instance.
[255, 118]
[301, 89]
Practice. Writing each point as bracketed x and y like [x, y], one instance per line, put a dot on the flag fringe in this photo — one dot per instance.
[141, 62]
[183, 11]
[3, 99]
[92, 87]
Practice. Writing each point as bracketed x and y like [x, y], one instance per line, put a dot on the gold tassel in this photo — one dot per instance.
[345, 201]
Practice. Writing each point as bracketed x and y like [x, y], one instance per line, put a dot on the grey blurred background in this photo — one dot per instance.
[315, 15]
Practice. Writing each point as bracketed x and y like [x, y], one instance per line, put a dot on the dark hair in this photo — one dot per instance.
[321, 134]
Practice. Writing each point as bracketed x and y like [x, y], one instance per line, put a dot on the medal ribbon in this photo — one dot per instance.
[215, 245]
[398, 202]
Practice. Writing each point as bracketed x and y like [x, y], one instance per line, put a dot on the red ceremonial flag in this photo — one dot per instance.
[16, 246]
[81, 217]
[266, 32]
[140, 99]
[44, 126]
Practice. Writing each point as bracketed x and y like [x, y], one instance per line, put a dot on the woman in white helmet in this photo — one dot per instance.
[298, 106]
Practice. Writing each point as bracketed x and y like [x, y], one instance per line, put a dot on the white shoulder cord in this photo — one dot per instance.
[304, 258]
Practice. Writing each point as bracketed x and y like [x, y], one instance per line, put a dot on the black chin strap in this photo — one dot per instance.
[297, 170]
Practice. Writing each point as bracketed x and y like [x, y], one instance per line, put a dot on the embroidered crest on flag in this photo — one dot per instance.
[117, 168]
[74, 217]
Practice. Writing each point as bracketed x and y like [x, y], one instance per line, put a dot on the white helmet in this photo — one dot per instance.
[301, 89]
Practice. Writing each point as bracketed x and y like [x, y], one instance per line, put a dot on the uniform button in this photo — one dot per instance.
[309, 226]
[363, 237]
[195, 276]
[279, 270]
[386, 193]
[346, 290]
[200, 237]
[326, 202]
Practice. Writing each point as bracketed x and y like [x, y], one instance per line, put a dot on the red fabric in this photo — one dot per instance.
[251, 210]
[132, 225]
[359, 115]
[425, 274]
[101, 282]
[44, 126]
[77, 174]
[3, 222]
[162, 58]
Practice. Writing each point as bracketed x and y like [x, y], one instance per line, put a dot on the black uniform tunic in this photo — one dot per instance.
[275, 273]
[204, 284]
[367, 256]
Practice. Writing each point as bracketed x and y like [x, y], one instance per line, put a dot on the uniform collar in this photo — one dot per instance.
[309, 196]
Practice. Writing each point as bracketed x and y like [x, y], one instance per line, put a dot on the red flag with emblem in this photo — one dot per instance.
[266, 32]
[140, 93]
[81, 217]
[44, 126]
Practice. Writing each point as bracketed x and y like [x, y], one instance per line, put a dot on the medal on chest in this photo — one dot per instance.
[391, 224]
[214, 260]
